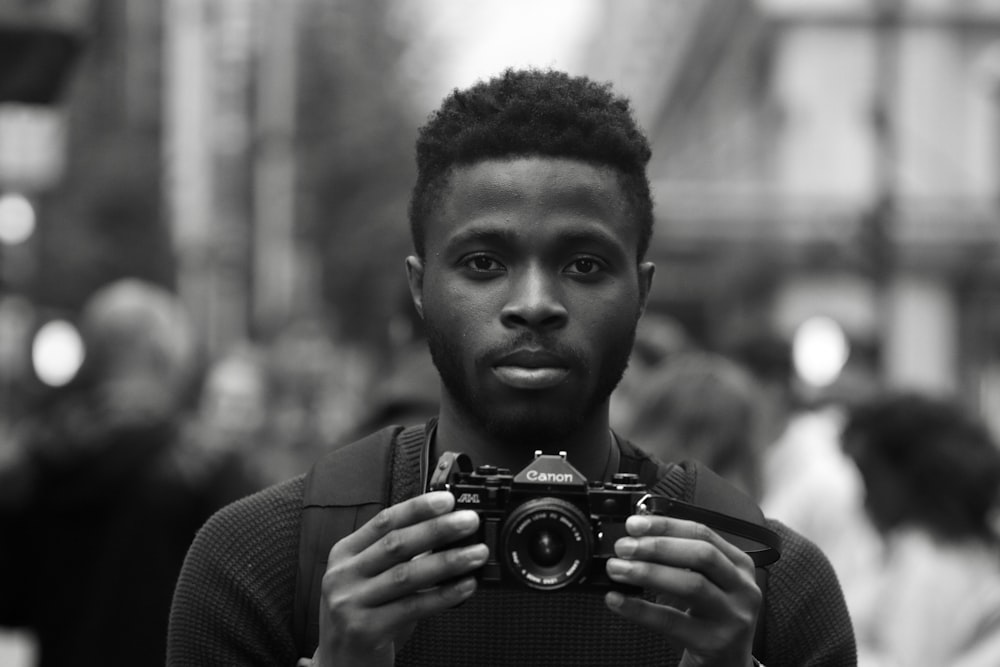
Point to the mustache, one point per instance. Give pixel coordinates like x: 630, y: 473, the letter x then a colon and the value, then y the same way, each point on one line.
x: 532, y: 341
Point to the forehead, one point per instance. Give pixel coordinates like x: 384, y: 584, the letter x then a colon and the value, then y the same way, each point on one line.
x: 540, y: 189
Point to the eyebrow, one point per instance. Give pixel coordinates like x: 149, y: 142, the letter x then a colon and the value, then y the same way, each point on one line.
x: 490, y: 234
x: 506, y: 237
x: 585, y: 235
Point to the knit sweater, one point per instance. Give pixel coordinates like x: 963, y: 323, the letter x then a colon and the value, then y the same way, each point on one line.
x: 233, y: 606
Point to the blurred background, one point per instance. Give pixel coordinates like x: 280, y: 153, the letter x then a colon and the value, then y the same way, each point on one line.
x: 825, y: 172
x: 812, y: 159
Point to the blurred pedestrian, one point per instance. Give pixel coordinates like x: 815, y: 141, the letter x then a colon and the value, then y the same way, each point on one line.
x: 404, y: 389
x: 658, y: 336
x: 703, y: 406
x: 317, y: 398
x: 228, y: 425
x: 932, y: 474
x: 232, y: 406
x: 806, y: 479
x: 407, y: 394
x: 90, y: 550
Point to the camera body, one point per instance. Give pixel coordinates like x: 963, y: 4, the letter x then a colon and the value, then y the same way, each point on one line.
x: 547, y: 527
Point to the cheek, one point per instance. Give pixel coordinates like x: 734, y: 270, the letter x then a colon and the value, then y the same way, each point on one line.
x: 612, y: 319
x: 455, y: 311
x: 460, y: 299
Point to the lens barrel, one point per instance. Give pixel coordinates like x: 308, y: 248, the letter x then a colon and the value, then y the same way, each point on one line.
x: 546, y: 543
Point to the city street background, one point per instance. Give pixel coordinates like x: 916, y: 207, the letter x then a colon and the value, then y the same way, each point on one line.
x: 825, y: 173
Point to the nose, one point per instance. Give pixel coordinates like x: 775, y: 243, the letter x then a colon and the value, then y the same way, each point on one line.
x: 534, y: 302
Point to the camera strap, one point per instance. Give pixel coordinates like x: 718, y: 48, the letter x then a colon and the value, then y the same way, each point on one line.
x: 762, y: 544
x: 691, y: 484
x: 711, y: 500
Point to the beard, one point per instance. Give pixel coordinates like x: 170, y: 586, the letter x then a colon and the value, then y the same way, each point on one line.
x: 530, y: 422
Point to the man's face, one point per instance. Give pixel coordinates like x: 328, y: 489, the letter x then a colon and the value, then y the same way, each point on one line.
x: 530, y: 291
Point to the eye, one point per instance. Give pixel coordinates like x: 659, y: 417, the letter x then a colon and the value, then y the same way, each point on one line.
x: 482, y: 263
x: 585, y: 266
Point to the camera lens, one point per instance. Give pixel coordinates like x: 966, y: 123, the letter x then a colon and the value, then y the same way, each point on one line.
x: 546, y: 548
x: 546, y: 543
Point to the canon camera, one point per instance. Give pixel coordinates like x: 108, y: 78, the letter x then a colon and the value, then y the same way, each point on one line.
x: 547, y: 527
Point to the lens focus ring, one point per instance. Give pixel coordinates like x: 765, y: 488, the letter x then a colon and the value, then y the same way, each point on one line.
x: 546, y: 543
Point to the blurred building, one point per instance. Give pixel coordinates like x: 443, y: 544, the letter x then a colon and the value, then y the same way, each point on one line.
x: 281, y: 143
x: 828, y: 157
x: 228, y: 100
x: 39, y: 41
x: 40, y: 45
x: 811, y: 157
x: 157, y: 140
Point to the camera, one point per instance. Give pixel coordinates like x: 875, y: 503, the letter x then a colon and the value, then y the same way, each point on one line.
x: 547, y: 527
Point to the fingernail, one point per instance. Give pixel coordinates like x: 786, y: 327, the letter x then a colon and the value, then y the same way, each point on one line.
x: 464, y: 588
x: 618, y: 567
x: 464, y: 519
x: 614, y: 599
x: 625, y: 547
x: 638, y: 525
x: 475, y: 554
x: 439, y: 500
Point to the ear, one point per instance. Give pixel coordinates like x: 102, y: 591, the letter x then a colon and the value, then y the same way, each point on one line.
x: 646, y: 270
x: 415, y: 277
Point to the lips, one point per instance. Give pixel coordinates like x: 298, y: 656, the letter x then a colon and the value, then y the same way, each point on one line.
x: 531, y: 369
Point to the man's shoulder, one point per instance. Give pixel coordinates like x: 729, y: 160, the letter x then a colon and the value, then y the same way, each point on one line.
x: 274, y: 510
x: 288, y: 492
x: 803, y: 568
x: 793, y: 542
x: 238, y: 581
x: 806, y: 615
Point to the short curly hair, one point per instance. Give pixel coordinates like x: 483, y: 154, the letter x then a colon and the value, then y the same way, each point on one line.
x: 943, y: 454
x: 532, y: 113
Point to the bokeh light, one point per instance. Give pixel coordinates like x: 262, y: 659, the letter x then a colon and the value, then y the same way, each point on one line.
x: 17, y: 218
x: 57, y: 353
x: 819, y: 350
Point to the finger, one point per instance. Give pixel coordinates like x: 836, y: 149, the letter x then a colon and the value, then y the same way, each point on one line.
x: 406, y: 513
x: 639, y: 526
x: 365, y: 629
x: 708, y: 638
x: 423, y: 573
x: 401, y: 545
x: 423, y: 604
x: 696, y: 555
x: 670, y: 621
x: 686, y: 589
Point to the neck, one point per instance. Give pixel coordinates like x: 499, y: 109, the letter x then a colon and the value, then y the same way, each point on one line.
x: 587, y: 447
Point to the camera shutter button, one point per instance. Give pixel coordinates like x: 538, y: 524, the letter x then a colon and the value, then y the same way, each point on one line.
x: 626, y: 481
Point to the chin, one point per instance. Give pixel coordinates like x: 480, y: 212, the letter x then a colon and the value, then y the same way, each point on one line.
x: 537, y: 427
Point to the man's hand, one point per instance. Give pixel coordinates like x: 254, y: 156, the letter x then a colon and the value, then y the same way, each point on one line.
x: 707, y: 598
x: 376, y: 588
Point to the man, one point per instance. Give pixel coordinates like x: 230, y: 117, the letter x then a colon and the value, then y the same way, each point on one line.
x: 530, y: 217
x: 931, y: 470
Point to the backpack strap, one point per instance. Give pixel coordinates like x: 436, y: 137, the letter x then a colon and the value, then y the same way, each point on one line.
x: 343, y: 490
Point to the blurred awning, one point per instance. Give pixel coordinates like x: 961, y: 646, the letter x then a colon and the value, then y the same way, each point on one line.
x: 39, y: 42
x: 35, y: 62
